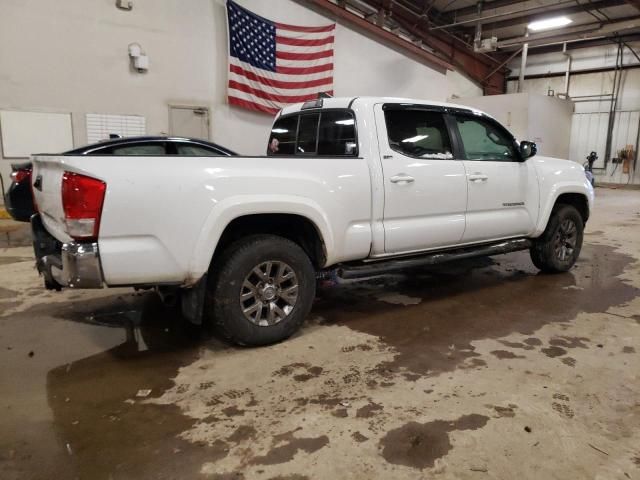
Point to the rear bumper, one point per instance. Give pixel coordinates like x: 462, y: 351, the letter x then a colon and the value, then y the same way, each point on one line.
x: 73, y: 264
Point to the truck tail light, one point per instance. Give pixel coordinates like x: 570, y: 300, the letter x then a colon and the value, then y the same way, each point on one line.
x: 82, y: 199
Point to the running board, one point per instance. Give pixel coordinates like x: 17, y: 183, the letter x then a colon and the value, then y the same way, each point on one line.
x: 393, y: 265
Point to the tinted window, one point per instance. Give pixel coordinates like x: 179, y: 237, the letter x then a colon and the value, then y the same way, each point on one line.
x: 139, y: 149
x: 195, y: 150
x: 307, y: 133
x: 418, y: 133
x: 283, y: 136
x: 484, y: 140
x: 337, y: 134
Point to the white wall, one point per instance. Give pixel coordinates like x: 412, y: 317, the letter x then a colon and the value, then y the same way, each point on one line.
x: 590, y: 119
x: 537, y: 118
x: 71, y: 56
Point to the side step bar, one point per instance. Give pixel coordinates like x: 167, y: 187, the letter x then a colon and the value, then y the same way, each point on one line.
x: 393, y: 265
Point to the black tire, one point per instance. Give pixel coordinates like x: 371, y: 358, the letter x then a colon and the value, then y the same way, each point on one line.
x: 235, y: 266
x: 564, y: 229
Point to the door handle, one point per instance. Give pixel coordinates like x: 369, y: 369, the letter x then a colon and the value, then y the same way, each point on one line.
x: 402, y: 178
x: 478, y: 177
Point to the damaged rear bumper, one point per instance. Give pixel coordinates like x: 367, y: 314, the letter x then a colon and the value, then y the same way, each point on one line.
x: 72, y: 264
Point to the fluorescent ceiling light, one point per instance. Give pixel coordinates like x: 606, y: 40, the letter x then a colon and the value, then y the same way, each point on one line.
x: 549, y: 23
x: 279, y: 130
x: 348, y: 121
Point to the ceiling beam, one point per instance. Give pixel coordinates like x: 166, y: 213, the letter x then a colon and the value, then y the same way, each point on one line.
x: 588, y: 43
x: 579, y: 33
x: 429, y: 58
x: 473, y: 9
x: 564, y: 8
x: 449, y: 51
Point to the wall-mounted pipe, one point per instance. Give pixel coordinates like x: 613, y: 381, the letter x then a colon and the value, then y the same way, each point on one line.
x: 617, y: 77
x: 568, y: 72
x: 523, y: 65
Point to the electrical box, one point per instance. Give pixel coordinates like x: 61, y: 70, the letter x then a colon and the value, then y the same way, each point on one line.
x: 486, y: 45
x: 141, y: 63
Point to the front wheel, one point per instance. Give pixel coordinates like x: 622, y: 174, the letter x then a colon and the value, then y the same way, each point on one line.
x: 559, y: 246
x: 261, y: 291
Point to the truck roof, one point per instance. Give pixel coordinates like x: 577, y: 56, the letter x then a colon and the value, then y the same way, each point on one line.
x: 346, y: 102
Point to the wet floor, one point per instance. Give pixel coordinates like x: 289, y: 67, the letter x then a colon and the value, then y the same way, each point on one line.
x: 479, y: 369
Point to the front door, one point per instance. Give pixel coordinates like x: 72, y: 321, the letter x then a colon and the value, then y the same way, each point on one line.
x: 502, y: 190
x: 425, y: 189
x: 190, y: 122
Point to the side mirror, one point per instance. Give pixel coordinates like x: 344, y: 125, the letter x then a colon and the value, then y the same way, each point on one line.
x: 527, y: 149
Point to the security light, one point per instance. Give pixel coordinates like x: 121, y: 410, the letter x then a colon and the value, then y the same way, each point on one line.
x: 549, y: 23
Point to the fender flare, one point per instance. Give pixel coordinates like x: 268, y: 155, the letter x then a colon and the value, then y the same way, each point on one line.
x: 557, y: 190
x: 229, y: 209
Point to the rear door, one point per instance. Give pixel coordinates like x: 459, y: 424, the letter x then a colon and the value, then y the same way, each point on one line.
x: 502, y: 189
x: 425, y: 189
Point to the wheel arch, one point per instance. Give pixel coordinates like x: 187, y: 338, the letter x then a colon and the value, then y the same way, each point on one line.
x: 567, y: 195
x: 297, y: 228
x: 295, y: 218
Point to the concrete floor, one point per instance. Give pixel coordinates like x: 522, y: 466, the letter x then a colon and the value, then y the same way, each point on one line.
x: 477, y: 370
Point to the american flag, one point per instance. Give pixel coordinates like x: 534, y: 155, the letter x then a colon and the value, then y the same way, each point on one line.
x: 273, y: 64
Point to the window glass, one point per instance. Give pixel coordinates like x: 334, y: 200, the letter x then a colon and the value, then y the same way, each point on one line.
x: 283, y: 136
x: 195, y: 150
x: 307, y: 133
x: 418, y: 133
x: 483, y: 140
x: 337, y: 134
x: 140, y: 149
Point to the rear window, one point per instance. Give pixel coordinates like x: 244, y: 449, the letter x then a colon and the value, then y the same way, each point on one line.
x: 337, y: 133
x: 283, y: 136
x: 307, y: 134
x: 329, y: 133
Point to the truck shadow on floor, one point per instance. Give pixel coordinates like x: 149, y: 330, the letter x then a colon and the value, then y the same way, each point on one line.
x: 437, y: 314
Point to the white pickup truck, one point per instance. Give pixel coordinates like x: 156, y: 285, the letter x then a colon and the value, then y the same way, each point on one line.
x: 358, y: 186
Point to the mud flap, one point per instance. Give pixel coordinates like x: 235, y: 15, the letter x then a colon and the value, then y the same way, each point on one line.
x: 192, y: 301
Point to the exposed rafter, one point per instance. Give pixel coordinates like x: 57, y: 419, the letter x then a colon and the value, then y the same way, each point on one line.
x: 449, y: 50
x: 472, y: 9
x: 564, y: 8
x: 433, y: 60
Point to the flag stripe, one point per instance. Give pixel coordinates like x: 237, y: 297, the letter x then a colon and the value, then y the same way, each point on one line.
x: 299, y: 42
x: 297, y: 74
x: 303, y: 56
x: 276, y: 98
x: 279, y: 83
x: 326, y: 67
x: 297, y: 28
x: 303, y: 35
x: 252, y: 105
x: 313, y: 90
x: 296, y: 49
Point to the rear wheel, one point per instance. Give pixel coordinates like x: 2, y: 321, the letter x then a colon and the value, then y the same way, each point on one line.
x: 262, y: 290
x: 559, y: 246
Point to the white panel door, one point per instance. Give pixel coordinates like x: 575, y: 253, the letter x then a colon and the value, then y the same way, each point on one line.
x: 425, y: 191
x: 191, y: 122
